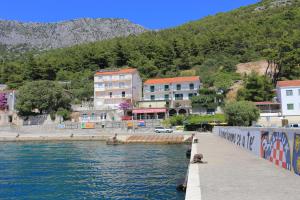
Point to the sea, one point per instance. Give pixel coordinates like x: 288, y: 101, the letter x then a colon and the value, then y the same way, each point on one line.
x: 91, y: 170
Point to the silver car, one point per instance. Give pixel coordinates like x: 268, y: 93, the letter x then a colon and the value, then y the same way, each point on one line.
x: 161, y: 129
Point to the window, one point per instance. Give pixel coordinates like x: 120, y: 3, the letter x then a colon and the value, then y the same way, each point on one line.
x: 121, y: 85
x: 167, y: 88
x: 178, y: 87
x: 191, y: 95
x: 166, y: 97
x: 152, y: 88
x: 122, y: 77
x: 93, y: 116
x: 178, y: 96
x: 192, y: 86
x: 290, y: 106
x: 289, y: 92
x: 100, y: 78
x: 110, y: 95
x: 298, y: 91
x: 99, y: 85
x: 152, y: 97
x: 108, y: 85
x: 123, y: 94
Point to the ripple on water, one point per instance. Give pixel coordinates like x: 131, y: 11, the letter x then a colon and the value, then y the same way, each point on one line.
x: 90, y: 170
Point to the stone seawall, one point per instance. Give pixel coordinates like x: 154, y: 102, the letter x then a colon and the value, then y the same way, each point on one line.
x: 89, y: 135
x: 278, y: 145
x: 193, y: 190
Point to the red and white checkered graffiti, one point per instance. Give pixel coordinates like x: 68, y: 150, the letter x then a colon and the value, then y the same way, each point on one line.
x: 276, y: 149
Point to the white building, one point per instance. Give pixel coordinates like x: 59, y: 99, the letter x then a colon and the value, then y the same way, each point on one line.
x: 288, y: 94
x: 177, y: 91
x: 111, y: 87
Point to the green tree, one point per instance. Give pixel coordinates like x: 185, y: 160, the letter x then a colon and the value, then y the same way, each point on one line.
x: 207, y: 98
x: 241, y: 113
x: 177, y: 120
x: 256, y: 88
x: 64, y: 113
x: 41, y: 97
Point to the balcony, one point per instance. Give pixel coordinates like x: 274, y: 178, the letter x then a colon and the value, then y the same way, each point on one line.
x: 126, y: 88
x: 116, y: 100
x: 181, y: 103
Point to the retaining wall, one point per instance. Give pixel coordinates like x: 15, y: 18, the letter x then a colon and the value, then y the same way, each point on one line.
x: 279, y: 146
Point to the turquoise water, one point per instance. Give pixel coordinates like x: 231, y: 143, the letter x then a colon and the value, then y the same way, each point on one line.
x: 90, y: 170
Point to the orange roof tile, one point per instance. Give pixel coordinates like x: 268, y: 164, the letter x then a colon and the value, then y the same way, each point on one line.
x: 288, y: 83
x: 172, y: 80
x: 118, y: 71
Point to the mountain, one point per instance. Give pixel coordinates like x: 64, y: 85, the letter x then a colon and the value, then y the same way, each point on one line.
x: 210, y: 47
x: 41, y: 36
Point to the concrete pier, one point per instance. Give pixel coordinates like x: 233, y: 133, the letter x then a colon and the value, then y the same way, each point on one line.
x: 92, y: 135
x: 193, y: 191
x: 232, y: 173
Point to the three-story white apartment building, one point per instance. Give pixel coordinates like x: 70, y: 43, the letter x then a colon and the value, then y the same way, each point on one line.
x: 288, y: 94
x: 111, y: 87
x: 177, y: 91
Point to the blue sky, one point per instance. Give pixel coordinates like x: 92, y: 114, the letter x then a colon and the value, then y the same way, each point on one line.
x: 153, y: 14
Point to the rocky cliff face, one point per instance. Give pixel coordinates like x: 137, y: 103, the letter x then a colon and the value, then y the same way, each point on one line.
x: 15, y: 34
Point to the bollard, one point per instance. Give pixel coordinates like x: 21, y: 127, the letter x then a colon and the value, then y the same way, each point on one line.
x: 188, y: 153
x: 198, y: 158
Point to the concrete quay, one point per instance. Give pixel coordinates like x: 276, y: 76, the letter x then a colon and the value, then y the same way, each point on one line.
x: 232, y: 173
x: 93, y: 135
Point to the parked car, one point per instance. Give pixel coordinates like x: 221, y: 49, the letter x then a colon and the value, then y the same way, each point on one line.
x: 293, y: 126
x: 160, y: 129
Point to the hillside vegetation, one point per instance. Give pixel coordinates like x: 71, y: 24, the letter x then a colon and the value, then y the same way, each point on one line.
x: 210, y: 47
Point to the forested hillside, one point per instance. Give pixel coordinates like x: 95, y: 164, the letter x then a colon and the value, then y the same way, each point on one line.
x: 210, y: 47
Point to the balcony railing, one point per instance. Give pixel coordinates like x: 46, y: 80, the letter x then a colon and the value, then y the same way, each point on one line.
x: 270, y: 111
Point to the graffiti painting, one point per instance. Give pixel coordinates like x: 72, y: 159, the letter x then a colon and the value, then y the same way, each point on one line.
x: 265, y: 147
x: 276, y: 149
x: 296, y: 154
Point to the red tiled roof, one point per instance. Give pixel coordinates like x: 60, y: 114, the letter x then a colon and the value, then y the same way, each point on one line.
x: 288, y: 83
x: 120, y: 71
x: 172, y: 80
x: 265, y: 103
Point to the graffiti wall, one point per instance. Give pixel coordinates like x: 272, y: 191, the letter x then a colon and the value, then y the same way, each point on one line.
x: 242, y: 137
x: 296, y: 154
x: 279, y: 146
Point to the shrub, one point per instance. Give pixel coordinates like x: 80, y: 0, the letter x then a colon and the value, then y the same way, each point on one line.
x: 241, y: 113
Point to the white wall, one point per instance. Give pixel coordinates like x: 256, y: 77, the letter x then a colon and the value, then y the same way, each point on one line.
x: 111, y: 83
x: 285, y: 100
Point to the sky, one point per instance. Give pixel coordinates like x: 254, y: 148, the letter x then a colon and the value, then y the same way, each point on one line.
x: 152, y: 14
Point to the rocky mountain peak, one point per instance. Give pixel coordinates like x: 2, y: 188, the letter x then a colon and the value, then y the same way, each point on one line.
x: 64, y: 33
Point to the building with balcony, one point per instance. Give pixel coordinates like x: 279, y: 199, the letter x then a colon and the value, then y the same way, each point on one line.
x: 285, y: 106
x: 176, y: 91
x: 288, y: 94
x: 111, y: 87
